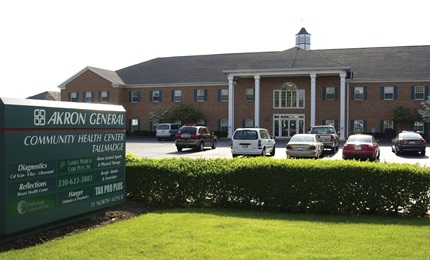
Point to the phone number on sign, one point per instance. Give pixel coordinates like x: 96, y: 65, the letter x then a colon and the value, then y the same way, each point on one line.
x: 75, y: 180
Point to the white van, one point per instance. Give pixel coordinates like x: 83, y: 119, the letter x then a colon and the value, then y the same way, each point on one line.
x: 252, y: 141
x: 167, y: 131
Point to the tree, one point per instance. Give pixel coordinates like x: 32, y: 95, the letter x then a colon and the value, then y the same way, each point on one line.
x: 159, y: 114
x: 406, y: 115
x: 425, y: 113
x: 184, y: 113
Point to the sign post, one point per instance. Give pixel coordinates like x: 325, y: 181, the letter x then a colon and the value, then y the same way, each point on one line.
x: 58, y: 160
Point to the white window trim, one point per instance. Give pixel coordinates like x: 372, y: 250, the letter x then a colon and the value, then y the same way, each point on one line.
x: 416, y: 92
x: 355, y: 93
x: 299, y: 93
x: 388, y: 92
x: 327, y: 93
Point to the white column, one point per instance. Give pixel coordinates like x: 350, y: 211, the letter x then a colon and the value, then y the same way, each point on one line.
x: 313, y: 98
x: 230, y: 106
x: 342, y: 105
x: 257, y: 101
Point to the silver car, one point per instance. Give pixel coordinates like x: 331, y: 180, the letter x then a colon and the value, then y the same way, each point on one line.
x: 252, y: 141
x: 167, y: 131
x: 305, y: 145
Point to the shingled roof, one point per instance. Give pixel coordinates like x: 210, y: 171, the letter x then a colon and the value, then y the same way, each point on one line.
x: 384, y: 64
x: 408, y: 63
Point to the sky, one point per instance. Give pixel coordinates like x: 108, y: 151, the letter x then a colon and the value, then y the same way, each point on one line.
x: 45, y: 42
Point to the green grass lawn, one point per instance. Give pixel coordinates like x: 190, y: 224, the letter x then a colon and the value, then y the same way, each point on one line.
x: 228, y: 234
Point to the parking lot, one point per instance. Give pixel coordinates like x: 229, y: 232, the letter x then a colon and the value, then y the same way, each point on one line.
x: 150, y: 147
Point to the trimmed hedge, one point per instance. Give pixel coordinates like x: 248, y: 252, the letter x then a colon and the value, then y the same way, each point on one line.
x: 299, y: 185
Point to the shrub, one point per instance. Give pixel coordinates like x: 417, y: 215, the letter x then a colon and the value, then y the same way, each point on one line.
x: 300, y: 185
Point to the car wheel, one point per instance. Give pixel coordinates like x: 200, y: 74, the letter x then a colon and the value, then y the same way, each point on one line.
x: 201, y: 146
x: 334, y: 149
x: 263, y: 153
x: 272, y: 153
x: 395, y: 150
x: 179, y: 148
x: 423, y: 152
x: 214, y: 144
x: 234, y: 155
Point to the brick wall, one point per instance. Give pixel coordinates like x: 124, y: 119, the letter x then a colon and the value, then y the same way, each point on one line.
x: 373, y: 109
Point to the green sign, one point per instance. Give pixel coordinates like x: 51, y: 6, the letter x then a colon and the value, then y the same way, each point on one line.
x: 58, y: 160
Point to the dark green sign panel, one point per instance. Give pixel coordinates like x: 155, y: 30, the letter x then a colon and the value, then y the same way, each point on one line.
x: 58, y: 160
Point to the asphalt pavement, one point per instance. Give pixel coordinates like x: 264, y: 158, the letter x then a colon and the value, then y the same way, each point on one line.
x: 150, y: 147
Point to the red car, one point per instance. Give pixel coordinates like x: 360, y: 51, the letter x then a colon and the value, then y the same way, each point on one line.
x: 361, y: 146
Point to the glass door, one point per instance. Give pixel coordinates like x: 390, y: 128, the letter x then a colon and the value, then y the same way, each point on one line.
x: 287, y: 125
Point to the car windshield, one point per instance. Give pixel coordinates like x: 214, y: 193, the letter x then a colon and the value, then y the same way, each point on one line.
x: 322, y: 130
x: 359, y: 139
x: 246, y: 135
x: 304, y: 139
x: 188, y: 130
x: 163, y: 127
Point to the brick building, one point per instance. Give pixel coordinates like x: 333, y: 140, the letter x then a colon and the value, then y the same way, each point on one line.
x: 284, y: 91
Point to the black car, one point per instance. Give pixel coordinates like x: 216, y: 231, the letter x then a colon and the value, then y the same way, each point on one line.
x: 408, y: 141
x: 196, y: 137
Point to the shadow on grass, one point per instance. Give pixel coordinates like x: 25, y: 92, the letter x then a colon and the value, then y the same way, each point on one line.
x: 315, y: 218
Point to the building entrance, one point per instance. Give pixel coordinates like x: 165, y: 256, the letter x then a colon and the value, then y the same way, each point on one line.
x: 287, y: 125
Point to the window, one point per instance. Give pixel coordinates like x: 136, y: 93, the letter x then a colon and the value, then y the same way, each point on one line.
x: 249, y: 93
x: 358, y: 93
x: 176, y: 95
x: 289, y: 97
x: 134, y: 125
x: 134, y: 96
x: 330, y: 93
x: 388, y: 124
x: 223, y: 95
x: 389, y: 93
x: 329, y: 122
x: 223, y: 125
x: 104, y: 96
x: 248, y: 123
x: 358, y: 126
x: 264, y: 134
x: 200, y: 95
x: 201, y: 122
x: 156, y: 96
x: 154, y: 126
x: 419, y: 92
x: 88, y: 97
x: 419, y: 127
x: 73, y: 97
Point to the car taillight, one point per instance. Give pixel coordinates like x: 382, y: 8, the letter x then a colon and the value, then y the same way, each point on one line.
x: 259, y: 144
x: 312, y: 147
x: 367, y: 147
x: 346, y: 147
x: 194, y: 136
x: 289, y: 147
x: 423, y: 141
x: 178, y: 136
x: 332, y: 138
x: 401, y: 142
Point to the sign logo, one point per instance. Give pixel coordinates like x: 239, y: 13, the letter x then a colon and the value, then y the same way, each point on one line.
x: 39, y: 117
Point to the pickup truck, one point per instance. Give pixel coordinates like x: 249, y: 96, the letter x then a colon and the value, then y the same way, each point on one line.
x: 328, y: 136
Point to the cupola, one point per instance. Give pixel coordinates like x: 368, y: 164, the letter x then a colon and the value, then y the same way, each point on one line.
x: 303, y: 40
